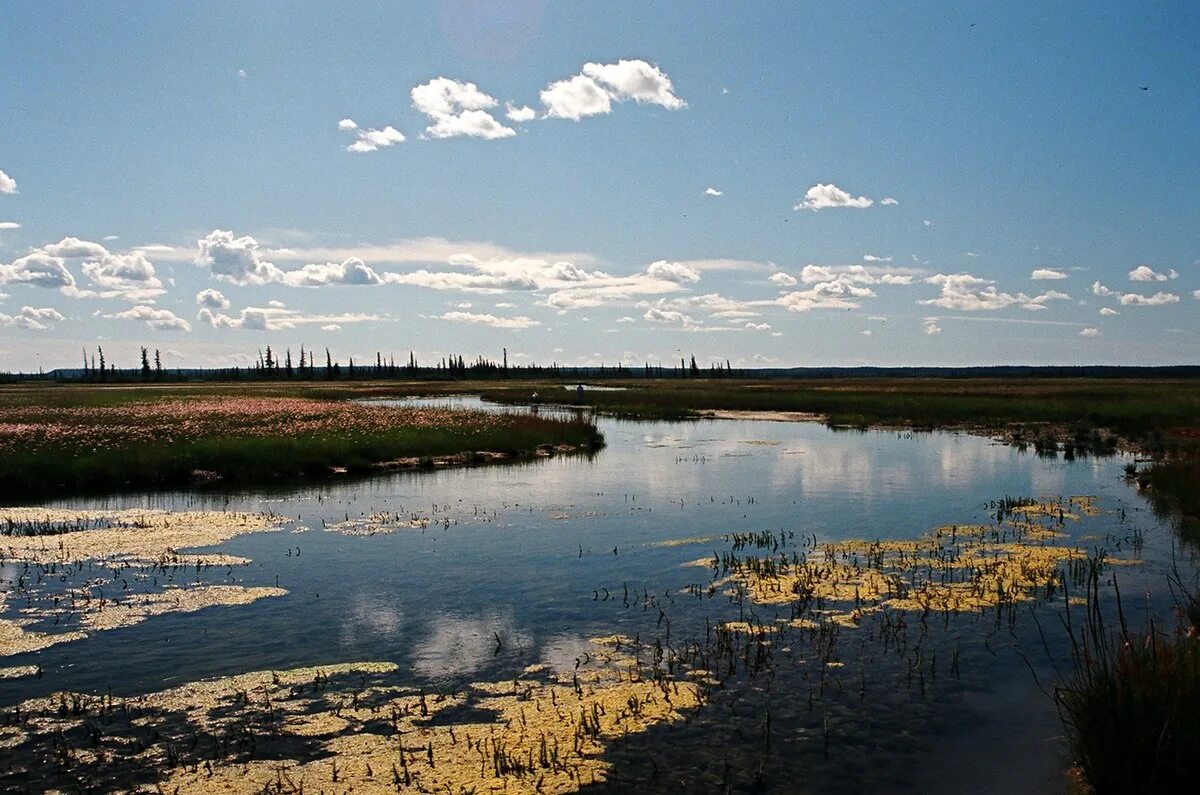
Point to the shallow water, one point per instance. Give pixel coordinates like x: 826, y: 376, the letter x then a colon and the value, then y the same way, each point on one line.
x: 520, y: 564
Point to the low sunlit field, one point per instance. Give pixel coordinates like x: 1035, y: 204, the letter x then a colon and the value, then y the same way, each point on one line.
x: 84, y: 438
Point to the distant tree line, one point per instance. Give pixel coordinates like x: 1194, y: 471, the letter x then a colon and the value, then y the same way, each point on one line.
x: 307, y: 365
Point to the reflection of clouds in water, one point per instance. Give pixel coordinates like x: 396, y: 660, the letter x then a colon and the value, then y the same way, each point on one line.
x: 458, y: 645
x: 1047, y: 479
x: 560, y: 652
x: 970, y: 457
x: 374, y: 617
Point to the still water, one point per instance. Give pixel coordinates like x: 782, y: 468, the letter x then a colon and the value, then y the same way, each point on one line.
x: 521, y: 564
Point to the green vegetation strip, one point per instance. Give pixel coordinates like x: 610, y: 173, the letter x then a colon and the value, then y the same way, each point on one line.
x: 82, y: 439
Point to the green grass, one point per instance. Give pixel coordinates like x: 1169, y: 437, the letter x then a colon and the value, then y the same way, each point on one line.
x: 61, y: 441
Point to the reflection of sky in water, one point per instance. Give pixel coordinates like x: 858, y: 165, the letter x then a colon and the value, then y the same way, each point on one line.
x: 550, y: 553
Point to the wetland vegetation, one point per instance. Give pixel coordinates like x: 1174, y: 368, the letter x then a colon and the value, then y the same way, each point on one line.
x: 795, y: 597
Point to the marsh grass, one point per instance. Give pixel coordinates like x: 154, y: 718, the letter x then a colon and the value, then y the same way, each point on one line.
x: 1131, y: 703
x: 98, y: 444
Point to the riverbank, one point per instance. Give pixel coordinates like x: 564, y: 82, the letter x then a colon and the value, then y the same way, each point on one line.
x: 75, y: 440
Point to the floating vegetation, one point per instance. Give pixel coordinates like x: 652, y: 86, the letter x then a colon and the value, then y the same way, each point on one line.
x: 18, y: 671
x: 89, y: 571
x: 953, y: 568
x: 55, y: 535
x: 343, y: 727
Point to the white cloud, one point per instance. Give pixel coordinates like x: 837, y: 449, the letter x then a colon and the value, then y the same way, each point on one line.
x: 1046, y: 274
x: 7, y: 183
x: 74, y: 248
x: 1090, y: 332
x: 331, y: 327
x: 1158, y: 299
x: 490, y: 320
x: 9, y: 225
x: 888, y: 201
x: 656, y: 315
x: 373, y: 140
x: 519, y: 114
x: 157, y: 319
x: 672, y: 272
x: 782, y: 279
x: 625, y: 319
x: 759, y: 326
x: 822, y: 196
x: 859, y: 274
x: 31, y: 318
x: 713, y: 192
x: 235, y: 260
x: 873, y: 258
x: 351, y: 271
x: 1106, y: 312
x: 865, y: 332
x: 130, y: 273
x: 594, y: 90
x: 212, y: 299
x: 931, y: 326
x: 1196, y: 294
x: 1144, y: 273
x: 967, y: 293
x: 1135, y: 299
x: 347, y: 124
x: 927, y: 222
x: 273, y: 318
x: 838, y: 293
x: 457, y: 109
x: 39, y: 269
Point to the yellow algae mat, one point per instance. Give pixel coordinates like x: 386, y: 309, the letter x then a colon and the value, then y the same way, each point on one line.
x: 340, y: 728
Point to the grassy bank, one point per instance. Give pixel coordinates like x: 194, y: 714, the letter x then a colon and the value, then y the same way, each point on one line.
x: 58, y: 442
x: 1157, y: 413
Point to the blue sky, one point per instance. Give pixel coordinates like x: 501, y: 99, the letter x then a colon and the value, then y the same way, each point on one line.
x: 891, y: 179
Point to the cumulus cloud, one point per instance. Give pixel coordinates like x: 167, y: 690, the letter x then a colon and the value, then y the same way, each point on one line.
x: 1144, y: 273
x: 888, y: 201
x: 39, y: 269
x: 490, y: 320
x: 1135, y: 299
x: 519, y: 114
x: 351, y: 271
x: 1090, y: 332
x: 873, y: 258
x: 713, y: 192
x: 782, y: 279
x: 211, y: 299
x: 837, y: 293
x: 1196, y: 294
x: 668, y: 316
x: 157, y: 319
x: 131, y: 275
x: 822, y: 197
x: 1107, y: 312
x: 859, y: 274
x: 31, y: 318
x: 672, y: 272
x: 373, y: 140
x: 235, y: 259
x: 758, y: 326
x: 457, y: 109
x: 273, y: 318
x: 347, y: 125
x: 931, y: 326
x: 967, y: 293
x: 594, y: 90
x: 1047, y: 274
x: 1158, y: 299
x: 5, y: 225
x: 7, y: 183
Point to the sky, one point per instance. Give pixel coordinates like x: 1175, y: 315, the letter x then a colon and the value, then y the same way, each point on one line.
x: 776, y: 184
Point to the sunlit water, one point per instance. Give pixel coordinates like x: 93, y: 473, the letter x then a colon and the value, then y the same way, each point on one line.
x: 521, y: 564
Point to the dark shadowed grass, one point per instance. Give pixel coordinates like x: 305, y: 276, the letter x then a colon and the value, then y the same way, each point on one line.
x: 1131, y: 704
